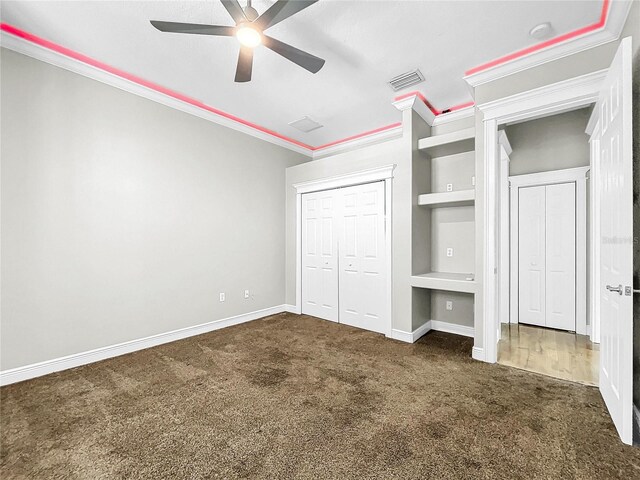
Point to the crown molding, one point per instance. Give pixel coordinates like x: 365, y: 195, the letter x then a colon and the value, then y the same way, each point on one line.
x: 465, y: 112
x: 362, y: 141
x: 58, y: 59
x: 611, y: 31
x: 418, y: 105
x: 558, y: 97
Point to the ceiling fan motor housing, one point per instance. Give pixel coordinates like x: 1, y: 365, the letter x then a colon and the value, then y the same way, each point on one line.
x: 251, y: 13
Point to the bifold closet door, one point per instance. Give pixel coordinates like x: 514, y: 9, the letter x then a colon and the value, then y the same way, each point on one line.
x: 362, y: 263
x: 319, y: 255
x: 547, y: 256
x: 561, y: 256
x: 531, y: 255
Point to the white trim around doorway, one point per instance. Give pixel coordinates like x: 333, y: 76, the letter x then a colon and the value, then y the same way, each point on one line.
x: 548, y: 100
x: 571, y: 175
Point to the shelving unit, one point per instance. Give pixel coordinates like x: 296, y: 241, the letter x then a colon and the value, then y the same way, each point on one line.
x: 443, y: 228
x: 460, y: 198
x: 454, y: 282
x: 448, y: 143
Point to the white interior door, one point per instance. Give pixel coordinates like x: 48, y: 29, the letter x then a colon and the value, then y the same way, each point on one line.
x: 616, y: 317
x: 362, y: 262
x: 319, y: 255
x: 560, y: 254
x: 531, y: 258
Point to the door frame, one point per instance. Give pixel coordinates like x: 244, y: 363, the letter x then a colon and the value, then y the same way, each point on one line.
x: 371, y: 175
x: 570, y: 175
x: 540, y: 102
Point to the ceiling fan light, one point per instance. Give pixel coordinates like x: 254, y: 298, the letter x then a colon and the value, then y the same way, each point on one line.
x: 248, y: 36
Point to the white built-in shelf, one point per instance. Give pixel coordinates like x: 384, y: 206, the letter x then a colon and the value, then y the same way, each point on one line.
x: 453, y: 282
x: 449, y: 143
x: 460, y: 198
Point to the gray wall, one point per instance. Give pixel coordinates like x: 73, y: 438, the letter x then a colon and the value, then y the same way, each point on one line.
x: 551, y: 143
x: 123, y: 218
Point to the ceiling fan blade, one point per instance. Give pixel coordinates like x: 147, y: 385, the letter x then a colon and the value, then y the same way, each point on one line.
x: 297, y: 56
x: 245, y: 64
x: 281, y: 10
x: 235, y: 10
x: 175, y: 27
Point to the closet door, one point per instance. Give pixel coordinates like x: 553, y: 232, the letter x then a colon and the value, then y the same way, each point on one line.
x: 319, y: 255
x: 560, y: 311
x: 531, y: 256
x: 362, y: 257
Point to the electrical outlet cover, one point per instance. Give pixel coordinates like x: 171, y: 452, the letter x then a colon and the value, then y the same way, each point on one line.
x: 449, y: 187
x: 222, y: 296
x: 449, y: 305
x: 449, y: 252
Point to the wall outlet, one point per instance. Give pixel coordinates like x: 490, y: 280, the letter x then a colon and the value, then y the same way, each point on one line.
x: 222, y: 296
x: 246, y: 294
x: 449, y: 187
x: 473, y: 181
x: 449, y: 252
x: 449, y: 305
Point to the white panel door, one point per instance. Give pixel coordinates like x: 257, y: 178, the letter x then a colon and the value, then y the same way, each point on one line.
x: 616, y: 241
x: 319, y: 255
x: 560, y: 254
x: 531, y: 261
x: 362, y: 257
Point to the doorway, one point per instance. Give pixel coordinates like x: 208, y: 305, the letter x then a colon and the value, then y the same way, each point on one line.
x: 546, y: 327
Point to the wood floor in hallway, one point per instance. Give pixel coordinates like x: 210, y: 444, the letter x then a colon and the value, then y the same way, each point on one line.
x: 550, y: 352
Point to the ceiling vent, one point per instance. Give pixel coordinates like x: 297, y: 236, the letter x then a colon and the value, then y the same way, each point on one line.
x: 306, y: 125
x: 406, y: 80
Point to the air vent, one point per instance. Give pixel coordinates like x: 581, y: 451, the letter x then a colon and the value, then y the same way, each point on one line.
x: 406, y: 80
x: 306, y: 124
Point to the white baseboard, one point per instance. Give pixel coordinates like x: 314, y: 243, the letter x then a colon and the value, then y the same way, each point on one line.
x: 452, y: 328
x: 477, y: 353
x: 291, y: 309
x: 20, y: 374
x: 411, y: 337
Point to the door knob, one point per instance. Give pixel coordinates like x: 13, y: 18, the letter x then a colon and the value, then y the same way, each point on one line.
x: 615, y: 289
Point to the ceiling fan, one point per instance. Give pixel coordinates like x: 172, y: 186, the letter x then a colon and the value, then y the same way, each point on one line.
x: 249, y: 31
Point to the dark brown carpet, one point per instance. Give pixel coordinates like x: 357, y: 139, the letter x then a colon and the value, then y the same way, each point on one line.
x: 297, y: 397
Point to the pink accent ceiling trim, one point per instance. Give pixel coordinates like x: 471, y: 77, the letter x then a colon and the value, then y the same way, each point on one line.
x: 434, y: 110
x: 141, y: 81
x: 359, y: 135
x: 548, y: 43
x: 5, y: 27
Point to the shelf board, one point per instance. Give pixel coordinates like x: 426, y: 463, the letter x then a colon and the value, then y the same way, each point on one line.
x: 449, y: 143
x: 453, y: 282
x: 460, y: 198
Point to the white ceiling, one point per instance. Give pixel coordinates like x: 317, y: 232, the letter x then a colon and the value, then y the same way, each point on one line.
x: 365, y: 43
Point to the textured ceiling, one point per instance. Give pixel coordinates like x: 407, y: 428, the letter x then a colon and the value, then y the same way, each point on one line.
x: 365, y: 43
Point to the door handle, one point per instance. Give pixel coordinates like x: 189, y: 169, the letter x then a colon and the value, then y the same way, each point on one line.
x: 615, y: 289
